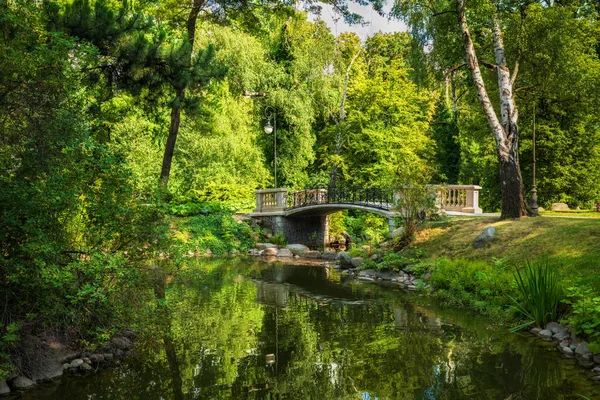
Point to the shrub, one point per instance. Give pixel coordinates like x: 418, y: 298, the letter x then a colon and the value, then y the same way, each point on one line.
x: 278, y: 239
x: 585, y: 316
x: 473, y: 283
x: 218, y: 232
x: 540, y: 293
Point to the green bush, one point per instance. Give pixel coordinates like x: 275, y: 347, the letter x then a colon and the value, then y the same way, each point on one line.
x: 540, y: 293
x: 585, y: 314
x: 474, y: 284
x: 218, y: 232
x: 278, y: 239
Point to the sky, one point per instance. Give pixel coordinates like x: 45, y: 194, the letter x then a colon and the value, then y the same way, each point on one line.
x: 376, y: 23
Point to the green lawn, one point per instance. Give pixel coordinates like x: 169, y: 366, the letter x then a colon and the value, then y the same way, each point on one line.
x: 573, y: 243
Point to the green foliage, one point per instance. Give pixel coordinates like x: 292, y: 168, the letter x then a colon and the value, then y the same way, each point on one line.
x: 278, y: 239
x: 474, y: 284
x: 217, y: 232
x: 540, y: 292
x: 584, y: 317
x: 365, y: 227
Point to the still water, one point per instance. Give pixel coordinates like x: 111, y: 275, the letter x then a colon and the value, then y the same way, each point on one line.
x: 231, y: 329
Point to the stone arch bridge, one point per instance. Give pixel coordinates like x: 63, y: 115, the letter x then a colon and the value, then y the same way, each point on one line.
x: 302, y: 215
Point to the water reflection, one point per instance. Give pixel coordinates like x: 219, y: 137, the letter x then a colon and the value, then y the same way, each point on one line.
x: 248, y: 331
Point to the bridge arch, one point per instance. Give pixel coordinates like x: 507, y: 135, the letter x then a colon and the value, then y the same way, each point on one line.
x: 301, y: 216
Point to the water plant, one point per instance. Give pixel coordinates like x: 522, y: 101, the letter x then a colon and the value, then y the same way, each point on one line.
x: 540, y: 293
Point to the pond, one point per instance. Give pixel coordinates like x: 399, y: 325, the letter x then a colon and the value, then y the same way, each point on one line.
x: 245, y: 329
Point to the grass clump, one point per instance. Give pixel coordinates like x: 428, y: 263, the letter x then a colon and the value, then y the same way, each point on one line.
x: 540, y: 293
x: 474, y: 284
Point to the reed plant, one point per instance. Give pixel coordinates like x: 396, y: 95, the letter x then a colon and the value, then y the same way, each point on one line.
x: 540, y: 293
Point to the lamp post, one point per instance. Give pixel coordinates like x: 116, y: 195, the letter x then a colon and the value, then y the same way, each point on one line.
x: 270, y: 112
x: 533, y: 201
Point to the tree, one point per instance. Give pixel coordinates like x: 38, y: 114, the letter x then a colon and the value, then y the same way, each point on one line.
x: 503, y: 126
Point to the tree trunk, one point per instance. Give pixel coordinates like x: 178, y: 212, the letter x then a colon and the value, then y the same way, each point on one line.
x: 180, y: 95
x: 173, y: 131
x: 506, y: 133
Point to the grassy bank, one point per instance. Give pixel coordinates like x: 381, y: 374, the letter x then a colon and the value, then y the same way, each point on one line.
x: 573, y: 245
x: 485, y: 279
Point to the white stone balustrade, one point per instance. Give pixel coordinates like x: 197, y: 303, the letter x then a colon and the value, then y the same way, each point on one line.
x: 462, y: 198
x: 271, y: 201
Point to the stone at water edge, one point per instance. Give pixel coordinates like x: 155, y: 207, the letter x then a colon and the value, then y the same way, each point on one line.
x: 344, y: 259
x: 297, y: 248
x: 545, y: 335
x: 567, y: 351
x: 535, y: 331
x: 329, y: 255
x: 312, y: 254
x: 485, y: 237
x: 76, y: 363
x: 20, y: 382
x: 271, y: 251
x: 284, y: 253
x: 264, y: 246
x: 582, y: 349
x: 66, y: 366
x: 85, y: 367
x: 553, y: 326
x: 356, y: 262
x: 4, y: 389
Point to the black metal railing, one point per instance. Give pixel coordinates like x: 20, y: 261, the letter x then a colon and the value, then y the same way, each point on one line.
x: 366, y: 196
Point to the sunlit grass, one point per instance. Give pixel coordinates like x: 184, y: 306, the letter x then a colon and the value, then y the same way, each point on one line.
x: 573, y: 243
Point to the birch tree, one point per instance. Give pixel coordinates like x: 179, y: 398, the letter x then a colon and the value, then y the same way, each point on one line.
x: 503, y: 121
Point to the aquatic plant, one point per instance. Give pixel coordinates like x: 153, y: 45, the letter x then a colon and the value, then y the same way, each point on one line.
x: 540, y: 293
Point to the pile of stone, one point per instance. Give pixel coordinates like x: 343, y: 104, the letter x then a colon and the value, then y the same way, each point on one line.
x: 570, y: 345
x: 291, y: 250
x: 351, y: 267
x: 69, y: 361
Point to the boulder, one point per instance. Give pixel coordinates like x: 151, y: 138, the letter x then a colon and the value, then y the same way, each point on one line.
x: 559, y: 207
x: 597, y: 358
x: 85, y: 367
x: 567, y: 351
x: 4, y: 389
x: 582, y: 349
x: 121, y: 342
x: 329, y: 255
x: 76, y: 363
x: 485, y: 237
x: 535, y: 331
x: 344, y: 259
x: 66, y: 366
x: 552, y: 326
x: 20, y: 382
x: 297, y: 249
x: 586, y: 361
x: 397, y: 232
x: 284, y: 253
x: 356, y: 262
x: 367, y: 275
x: 545, y: 335
x: 97, y: 358
x: 312, y: 254
x: 264, y: 246
x: 270, y: 251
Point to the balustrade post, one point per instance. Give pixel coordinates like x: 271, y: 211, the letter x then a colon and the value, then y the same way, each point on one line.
x: 472, y: 200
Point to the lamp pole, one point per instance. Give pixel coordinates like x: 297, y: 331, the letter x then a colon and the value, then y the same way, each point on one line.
x: 533, y: 201
x: 270, y: 112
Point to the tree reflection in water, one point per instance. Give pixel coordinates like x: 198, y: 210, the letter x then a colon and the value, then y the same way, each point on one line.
x: 216, y: 328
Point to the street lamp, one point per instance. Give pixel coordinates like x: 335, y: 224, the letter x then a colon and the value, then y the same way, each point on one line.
x: 533, y: 201
x: 270, y: 112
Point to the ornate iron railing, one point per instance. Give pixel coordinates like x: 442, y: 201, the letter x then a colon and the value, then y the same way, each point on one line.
x: 365, y: 196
